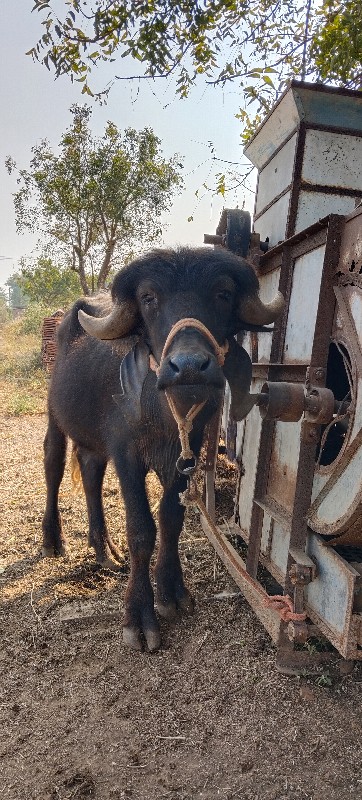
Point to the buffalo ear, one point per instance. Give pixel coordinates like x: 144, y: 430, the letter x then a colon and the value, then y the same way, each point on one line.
x: 238, y: 370
x: 118, y: 323
x: 134, y: 368
x: 253, y: 312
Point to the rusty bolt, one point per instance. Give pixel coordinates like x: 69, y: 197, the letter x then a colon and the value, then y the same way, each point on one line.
x: 311, y: 434
x: 295, y: 575
x: 297, y: 631
x: 319, y: 373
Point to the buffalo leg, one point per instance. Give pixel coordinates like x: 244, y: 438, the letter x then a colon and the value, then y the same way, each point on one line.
x: 92, y: 470
x: 171, y: 593
x: 55, y: 446
x: 140, y: 617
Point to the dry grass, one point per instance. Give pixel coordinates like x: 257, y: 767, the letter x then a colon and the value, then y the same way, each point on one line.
x: 23, y: 382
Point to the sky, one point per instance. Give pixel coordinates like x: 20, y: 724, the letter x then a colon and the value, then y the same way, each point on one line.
x: 35, y: 106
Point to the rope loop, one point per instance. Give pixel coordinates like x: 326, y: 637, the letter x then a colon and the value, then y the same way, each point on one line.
x: 189, y: 322
x: 184, y: 424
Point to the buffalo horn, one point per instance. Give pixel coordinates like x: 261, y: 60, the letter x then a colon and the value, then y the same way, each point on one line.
x: 118, y: 323
x: 254, y: 312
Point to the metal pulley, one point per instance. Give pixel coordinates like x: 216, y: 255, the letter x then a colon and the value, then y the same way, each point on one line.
x: 288, y: 402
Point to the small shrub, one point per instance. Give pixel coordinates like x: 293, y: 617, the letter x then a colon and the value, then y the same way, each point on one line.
x: 32, y: 321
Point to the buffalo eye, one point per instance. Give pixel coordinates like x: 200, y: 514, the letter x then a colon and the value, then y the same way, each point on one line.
x: 224, y: 296
x: 149, y: 300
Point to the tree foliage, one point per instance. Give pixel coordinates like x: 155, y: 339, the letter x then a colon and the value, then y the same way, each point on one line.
x: 4, y: 311
x: 98, y: 199
x: 17, y: 297
x: 337, y: 46
x: 46, y: 282
x: 261, y: 44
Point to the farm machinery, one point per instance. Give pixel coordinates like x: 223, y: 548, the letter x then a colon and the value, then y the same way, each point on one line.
x: 297, y: 522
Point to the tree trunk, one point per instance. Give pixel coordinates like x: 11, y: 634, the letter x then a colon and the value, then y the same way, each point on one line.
x: 78, y: 256
x: 82, y: 276
x: 106, y: 265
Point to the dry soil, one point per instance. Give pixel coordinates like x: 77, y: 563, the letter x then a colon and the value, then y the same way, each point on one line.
x: 206, y: 718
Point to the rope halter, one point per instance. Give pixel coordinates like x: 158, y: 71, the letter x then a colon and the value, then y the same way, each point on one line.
x: 184, y: 424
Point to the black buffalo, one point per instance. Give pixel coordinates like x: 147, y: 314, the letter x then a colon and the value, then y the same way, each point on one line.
x: 105, y: 397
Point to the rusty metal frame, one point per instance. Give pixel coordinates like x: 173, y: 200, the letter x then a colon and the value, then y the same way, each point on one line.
x: 328, y: 231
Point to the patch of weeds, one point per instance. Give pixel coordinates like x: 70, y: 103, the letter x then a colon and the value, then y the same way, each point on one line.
x: 324, y: 680
x: 23, y: 382
x: 315, y: 644
x: 22, y: 403
x: 23, y: 367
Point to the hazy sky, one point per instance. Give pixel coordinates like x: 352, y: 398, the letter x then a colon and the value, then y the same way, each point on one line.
x: 35, y: 106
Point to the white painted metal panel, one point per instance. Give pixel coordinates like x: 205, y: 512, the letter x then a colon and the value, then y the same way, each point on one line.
x: 276, y: 176
x: 264, y: 347
x: 330, y: 595
x: 313, y: 206
x: 332, y: 159
x: 266, y: 533
x: 303, y: 306
x: 273, y: 222
x: 280, y: 547
x: 278, y: 126
x: 283, y: 463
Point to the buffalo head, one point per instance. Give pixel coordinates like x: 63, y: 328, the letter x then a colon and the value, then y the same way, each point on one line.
x: 156, y: 291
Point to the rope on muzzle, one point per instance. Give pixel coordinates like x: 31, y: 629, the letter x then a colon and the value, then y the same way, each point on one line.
x: 184, y: 424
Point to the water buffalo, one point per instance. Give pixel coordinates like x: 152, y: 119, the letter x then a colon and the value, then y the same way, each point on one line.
x: 107, y: 399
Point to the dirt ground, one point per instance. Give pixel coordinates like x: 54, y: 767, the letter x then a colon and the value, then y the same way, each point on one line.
x: 206, y: 718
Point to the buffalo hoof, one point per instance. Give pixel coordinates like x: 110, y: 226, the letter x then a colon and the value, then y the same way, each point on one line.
x: 132, y: 638
x: 169, y: 610
x: 153, y: 639
x: 53, y: 552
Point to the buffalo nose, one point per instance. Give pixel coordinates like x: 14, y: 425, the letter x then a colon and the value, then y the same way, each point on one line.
x: 182, y: 363
x: 183, y: 368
